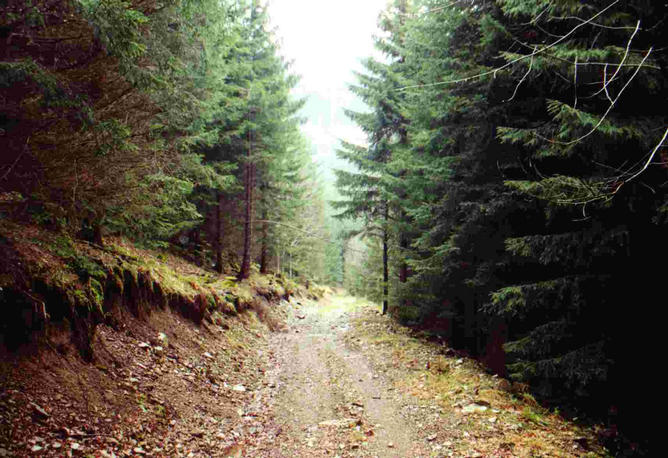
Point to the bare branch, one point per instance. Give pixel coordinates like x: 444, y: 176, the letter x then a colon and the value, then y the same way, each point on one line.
x: 575, y: 83
x: 607, y: 112
x: 626, y: 55
x: 618, y: 182
x: 433, y: 10
x: 514, y: 61
x: 595, y: 24
x: 522, y: 80
x: 650, y: 159
x: 605, y: 83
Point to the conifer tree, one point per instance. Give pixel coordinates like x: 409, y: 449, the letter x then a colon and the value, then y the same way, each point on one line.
x: 374, y: 192
x: 533, y: 182
x: 584, y: 152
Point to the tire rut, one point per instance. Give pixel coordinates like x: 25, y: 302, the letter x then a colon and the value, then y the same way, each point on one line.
x: 329, y: 400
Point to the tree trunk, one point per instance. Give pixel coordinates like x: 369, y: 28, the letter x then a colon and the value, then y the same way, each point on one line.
x: 343, y: 263
x: 248, y: 188
x: 403, y: 268
x: 244, y: 272
x: 386, y: 276
x: 219, y: 234
x: 264, y: 249
x: 196, y: 243
x: 97, y: 233
x: 264, y: 255
x: 248, y: 227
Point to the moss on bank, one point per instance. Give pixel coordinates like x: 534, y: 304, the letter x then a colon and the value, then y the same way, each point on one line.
x: 47, y: 277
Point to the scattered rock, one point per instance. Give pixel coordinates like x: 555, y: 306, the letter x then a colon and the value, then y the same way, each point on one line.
x: 342, y: 423
x: 474, y: 408
x: 581, y: 441
x: 162, y: 338
x: 203, y: 430
x: 234, y: 451
x: 38, y: 412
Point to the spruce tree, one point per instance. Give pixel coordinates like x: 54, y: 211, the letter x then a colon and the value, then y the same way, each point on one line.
x: 535, y: 184
x: 375, y: 191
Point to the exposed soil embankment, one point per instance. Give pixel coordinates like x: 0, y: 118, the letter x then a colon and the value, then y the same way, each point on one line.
x: 119, y: 350
x: 52, y: 283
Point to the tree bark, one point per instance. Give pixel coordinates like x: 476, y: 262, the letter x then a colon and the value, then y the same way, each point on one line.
x: 219, y: 234
x: 195, y: 236
x: 403, y: 268
x: 264, y: 255
x: 386, y: 275
x: 343, y: 263
x: 244, y: 272
x: 248, y: 227
x: 97, y: 233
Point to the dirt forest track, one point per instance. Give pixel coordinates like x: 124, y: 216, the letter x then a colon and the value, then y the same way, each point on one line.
x: 333, y: 378
x: 329, y: 400
x: 344, y: 381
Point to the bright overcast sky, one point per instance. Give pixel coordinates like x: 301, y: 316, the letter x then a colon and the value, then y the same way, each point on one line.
x: 326, y: 39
